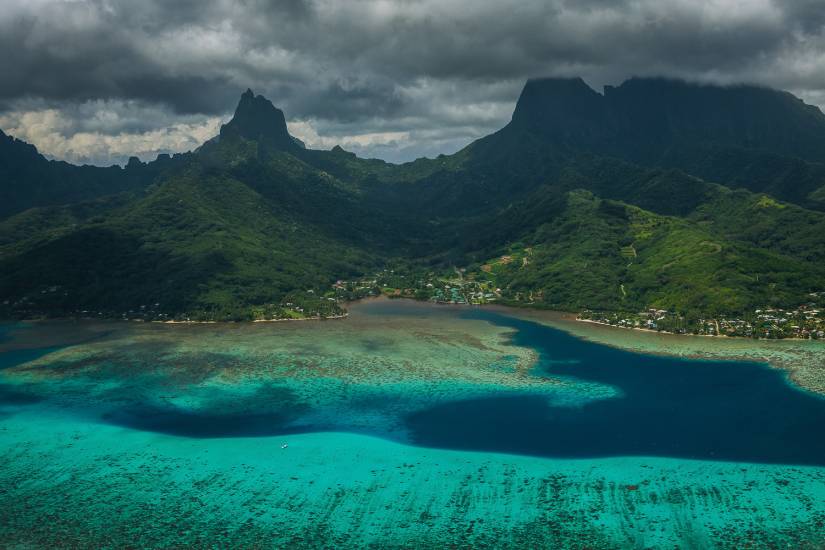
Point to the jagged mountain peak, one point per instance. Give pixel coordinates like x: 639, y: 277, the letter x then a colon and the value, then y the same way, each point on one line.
x: 568, y: 107
x: 256, y: 118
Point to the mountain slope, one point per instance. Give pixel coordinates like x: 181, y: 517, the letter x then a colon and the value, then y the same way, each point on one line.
x: 761, y: 139
x: 206, y: 245
x: 604, y: 204
x: 604, y: 254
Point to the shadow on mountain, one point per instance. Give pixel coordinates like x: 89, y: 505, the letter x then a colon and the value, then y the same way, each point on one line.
x: 97, y: 267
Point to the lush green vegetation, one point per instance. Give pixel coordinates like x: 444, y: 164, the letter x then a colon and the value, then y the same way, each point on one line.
x: 198, y: 246
x: 605, y: 254
x: 558, y: 210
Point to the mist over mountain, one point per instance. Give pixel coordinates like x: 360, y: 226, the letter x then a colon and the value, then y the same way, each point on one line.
x: 655, y: 193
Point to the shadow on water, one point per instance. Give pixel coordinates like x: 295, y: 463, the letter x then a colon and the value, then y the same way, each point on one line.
x: 732, y: 411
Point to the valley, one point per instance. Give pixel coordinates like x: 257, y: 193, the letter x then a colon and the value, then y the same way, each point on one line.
x: 252, y: 225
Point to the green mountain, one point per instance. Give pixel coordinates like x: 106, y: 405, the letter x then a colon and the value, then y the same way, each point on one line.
x: 757, y: 138
x: 602, y: 254
x: 654, y: 194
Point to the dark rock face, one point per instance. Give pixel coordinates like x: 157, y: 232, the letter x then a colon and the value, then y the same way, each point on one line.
x: 133, y: 163
x: 257, y: 119
x: 764, y: 140
x: 565, y: 109
x: 644, y: 118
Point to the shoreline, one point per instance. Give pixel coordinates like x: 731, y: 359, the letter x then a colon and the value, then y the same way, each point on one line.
x: 330, y: 318
x: 574, y: 316
x: 167, y: 322
x: 317, y: 318
x: 566, y: 315
x: 722, y: 336
x: 802, y: 359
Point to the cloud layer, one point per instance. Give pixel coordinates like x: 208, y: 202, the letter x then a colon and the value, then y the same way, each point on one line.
x: 96, y: 80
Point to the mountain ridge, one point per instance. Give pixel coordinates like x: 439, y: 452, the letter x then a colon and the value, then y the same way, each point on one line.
x: 252, y: 221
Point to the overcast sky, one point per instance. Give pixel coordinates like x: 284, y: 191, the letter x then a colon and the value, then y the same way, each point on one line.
x: 98, y: 80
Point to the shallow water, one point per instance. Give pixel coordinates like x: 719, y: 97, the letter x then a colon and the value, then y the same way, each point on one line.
x: 395, y: 421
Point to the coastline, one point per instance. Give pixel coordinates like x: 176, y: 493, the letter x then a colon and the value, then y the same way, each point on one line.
x: 803, y: 360
x: 167, y: 322
x: 723, y: 336
x: 317, y: 318
x: 633, y: 328
x: 571, y: 316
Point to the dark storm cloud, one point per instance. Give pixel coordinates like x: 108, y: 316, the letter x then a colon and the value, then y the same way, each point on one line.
x: 427, y: 74
x: 79, y: 51
x: 348, y: 101
x: 808, y: 15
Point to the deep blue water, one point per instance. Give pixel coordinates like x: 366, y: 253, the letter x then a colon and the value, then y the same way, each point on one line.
x: 733, y: 411
x: 729, y: 410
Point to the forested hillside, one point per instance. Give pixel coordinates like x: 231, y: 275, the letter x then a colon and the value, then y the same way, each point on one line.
x: 653, y: 194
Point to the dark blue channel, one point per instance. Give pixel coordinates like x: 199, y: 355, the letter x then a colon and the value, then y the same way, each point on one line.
x: 732, y: 411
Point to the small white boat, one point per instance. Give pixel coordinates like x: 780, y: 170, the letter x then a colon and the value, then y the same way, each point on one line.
x: 284, y: 446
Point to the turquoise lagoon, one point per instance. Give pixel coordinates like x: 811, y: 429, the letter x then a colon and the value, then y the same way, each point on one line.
x: 406, y: 425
